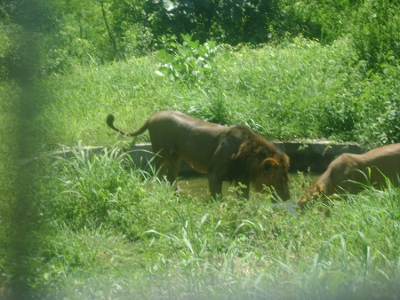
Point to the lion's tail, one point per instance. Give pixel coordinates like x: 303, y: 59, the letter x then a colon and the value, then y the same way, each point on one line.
x: 110, y: 123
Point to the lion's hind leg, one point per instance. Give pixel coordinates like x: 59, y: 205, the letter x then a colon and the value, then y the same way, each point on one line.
x: 167, y: 166
x: 173, y: 163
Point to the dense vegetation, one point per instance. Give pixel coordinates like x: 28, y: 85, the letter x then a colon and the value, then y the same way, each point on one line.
x: 96, y: 226
x: 101, y: 31
x: 105, y: 229
x: 337, y: 61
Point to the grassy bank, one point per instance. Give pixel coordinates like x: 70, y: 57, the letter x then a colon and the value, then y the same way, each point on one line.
x: 108, y: 231
x: 297, y: 91
x: 101, y: 228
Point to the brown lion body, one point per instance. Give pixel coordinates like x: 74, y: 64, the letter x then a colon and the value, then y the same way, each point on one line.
x: 233, y: 153
x: 351, y: 172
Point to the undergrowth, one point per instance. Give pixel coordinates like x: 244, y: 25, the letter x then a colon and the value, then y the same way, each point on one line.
x: 96, y: 226
x: 334, y: 96
x: 109, y: 230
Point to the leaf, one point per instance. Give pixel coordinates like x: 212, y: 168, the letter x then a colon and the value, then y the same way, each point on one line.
x: 169, y: 5
x: 227, y: 56
x: 194, y: 44
x: 211, y: 44
x: 162, y: 53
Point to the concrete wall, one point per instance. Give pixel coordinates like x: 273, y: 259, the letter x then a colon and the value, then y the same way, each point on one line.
x: 313, y: 156
x: 303, y: 157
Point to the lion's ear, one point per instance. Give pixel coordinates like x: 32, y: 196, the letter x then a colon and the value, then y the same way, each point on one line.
x: 270, y: 163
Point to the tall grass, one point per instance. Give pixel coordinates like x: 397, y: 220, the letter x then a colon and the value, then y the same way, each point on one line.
x: 9, y: 94
x: 334, y: 97
x: 108, y: 230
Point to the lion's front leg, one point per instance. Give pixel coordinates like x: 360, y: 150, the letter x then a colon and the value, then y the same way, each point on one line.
x: 215, y: 185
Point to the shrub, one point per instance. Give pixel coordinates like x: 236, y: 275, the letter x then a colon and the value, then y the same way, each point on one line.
x: 322, y: 20
x: 189, y: 61
x: 380, y: 102
x: 376, y: 33
x: 339, y: 117
x: 215, y: 111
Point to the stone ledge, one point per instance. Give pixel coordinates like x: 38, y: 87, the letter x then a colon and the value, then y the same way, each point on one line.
x: 303, y: 156
x: 314, y: 156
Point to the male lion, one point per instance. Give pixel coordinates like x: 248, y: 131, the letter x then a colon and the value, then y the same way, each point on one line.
x: 233, y: 153
x: 351, y: 172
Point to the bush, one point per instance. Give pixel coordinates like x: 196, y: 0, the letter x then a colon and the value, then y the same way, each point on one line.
x: 339, y: 117
x: 376, y: 33
x: 8, y: 49
x: 189, y: 61
x: 380, y: 103
x: 325, y: 21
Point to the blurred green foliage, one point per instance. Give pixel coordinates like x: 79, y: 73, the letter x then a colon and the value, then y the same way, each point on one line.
x: 99, y: 31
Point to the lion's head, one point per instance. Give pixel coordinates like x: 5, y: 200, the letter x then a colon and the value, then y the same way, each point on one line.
x: 314, y: 191
x: 274, y: 173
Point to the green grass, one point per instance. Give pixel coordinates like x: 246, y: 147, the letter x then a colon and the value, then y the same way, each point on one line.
x: 101, y: 228
x: 333, y: 96
x: 106, y: 229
